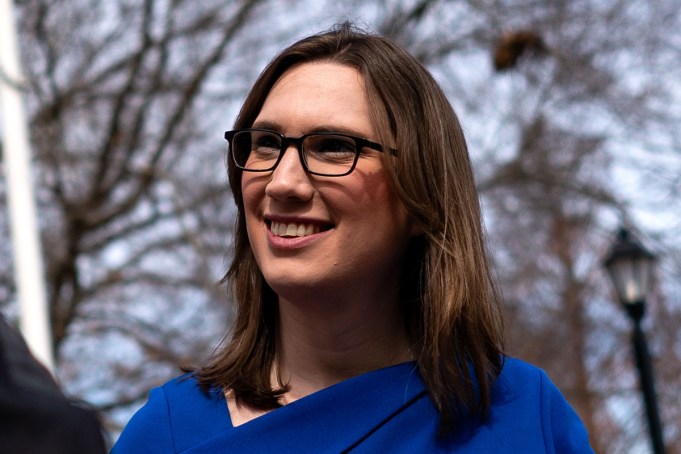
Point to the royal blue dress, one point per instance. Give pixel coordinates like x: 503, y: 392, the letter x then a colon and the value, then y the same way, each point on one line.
x: 385, y: 411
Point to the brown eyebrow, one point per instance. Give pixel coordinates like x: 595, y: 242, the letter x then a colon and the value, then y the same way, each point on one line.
x: 267, y: 125
x: 273, y: 126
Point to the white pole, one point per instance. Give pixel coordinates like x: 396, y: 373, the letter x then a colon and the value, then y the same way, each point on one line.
x: 28, y: 266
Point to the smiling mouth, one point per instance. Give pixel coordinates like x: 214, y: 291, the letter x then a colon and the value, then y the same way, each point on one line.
x: 295, y: 229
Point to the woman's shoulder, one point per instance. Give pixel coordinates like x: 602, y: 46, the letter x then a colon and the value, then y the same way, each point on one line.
x: 177, y: 414
x: 515, y: 369
x: 525, y: 397
x: 182, y: 396
x: 523, y: 384
x: 186, y: 387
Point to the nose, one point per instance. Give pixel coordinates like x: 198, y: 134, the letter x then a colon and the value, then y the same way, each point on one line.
x: 289, y: 180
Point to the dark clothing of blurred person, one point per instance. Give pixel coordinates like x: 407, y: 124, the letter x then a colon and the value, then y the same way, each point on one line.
x: 35, y: 416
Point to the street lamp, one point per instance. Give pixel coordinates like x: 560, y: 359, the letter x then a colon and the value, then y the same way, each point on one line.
x: 630, y: 267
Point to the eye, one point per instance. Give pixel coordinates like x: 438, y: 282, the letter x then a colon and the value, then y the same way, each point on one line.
x: 330, y: 148
x: 265, y: 144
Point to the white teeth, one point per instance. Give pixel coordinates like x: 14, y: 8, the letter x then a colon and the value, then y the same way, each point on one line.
x: 293, y: 229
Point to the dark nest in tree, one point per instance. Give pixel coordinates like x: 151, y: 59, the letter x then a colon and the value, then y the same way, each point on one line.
x: 515, y: 44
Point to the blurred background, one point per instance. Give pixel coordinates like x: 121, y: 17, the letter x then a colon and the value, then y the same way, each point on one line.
x: 571, y: 108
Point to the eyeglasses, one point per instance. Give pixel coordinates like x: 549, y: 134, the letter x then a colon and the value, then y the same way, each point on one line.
x: 329, y: 154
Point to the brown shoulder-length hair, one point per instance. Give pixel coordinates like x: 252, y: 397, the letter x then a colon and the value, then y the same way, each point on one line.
x: 449, y: 300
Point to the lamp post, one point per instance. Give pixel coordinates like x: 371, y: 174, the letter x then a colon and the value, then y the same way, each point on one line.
x: 630, y: 268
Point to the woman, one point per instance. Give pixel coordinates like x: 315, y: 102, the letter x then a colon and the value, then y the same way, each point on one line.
x: 367, y: 318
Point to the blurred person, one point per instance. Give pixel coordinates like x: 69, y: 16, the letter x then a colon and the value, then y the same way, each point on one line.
x: 35, y: 416
x: 367, y: 316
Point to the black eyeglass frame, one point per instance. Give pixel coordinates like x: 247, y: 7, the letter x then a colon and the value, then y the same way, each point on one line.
x: 360, y: 142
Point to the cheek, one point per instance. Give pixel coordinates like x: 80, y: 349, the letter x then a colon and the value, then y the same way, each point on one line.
x: 252, y: 192
x: 376, y: 204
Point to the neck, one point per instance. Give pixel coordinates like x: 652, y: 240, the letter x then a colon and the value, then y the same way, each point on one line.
x: 321, y: 345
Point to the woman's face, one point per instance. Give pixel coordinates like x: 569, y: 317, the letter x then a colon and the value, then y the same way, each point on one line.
x: 315, y: 235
